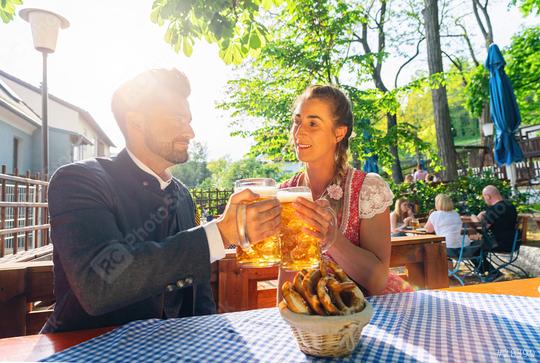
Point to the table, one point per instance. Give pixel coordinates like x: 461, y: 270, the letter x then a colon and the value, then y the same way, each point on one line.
x: 425, y: 259
x: 423, y: 256
x: 524, y: 287
x: 421, y: 326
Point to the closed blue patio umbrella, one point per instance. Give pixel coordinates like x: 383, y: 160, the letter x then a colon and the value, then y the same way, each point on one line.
x: 504, y: 113
x: 371, y: 163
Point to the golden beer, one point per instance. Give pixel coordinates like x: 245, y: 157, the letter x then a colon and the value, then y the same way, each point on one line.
x: 266, y: 252
x: 298, y: 249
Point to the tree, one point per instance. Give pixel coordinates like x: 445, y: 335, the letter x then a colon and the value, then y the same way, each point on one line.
x: 523, y: 68
x: 445, y: 141
x: 233, y: 25
x: 195, y: 170
x: 309, y: 41
x: 7, y: 9
x: 528, y: 7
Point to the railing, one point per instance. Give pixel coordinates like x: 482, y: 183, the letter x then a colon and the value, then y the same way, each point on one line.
x: 211, y: 202
x: 23, y: 212
x: 24, y: 221
x: 526, y: 171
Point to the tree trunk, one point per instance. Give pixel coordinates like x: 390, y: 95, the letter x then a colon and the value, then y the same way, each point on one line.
x: 397, y: 174
x: 445, y: 141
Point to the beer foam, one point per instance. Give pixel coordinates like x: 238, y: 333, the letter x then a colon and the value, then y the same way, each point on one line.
x: 289, y: 197
x: 262, y: 190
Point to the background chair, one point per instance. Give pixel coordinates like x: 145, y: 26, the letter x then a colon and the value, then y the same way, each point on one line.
x: 471, y: 256
x: 506, y: 260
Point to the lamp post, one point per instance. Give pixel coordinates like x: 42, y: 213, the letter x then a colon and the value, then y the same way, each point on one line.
x: 45, y: 25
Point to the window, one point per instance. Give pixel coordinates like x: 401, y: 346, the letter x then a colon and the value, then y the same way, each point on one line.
x: 78, y: 152
x: 16, y: 143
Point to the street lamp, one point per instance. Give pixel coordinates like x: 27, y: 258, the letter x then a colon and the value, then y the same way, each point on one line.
x: 45, y: 25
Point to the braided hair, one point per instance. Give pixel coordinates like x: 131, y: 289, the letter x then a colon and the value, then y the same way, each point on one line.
x: 342, y: 111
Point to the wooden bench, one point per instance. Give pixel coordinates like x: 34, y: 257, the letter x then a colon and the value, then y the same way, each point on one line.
x: 22, y: 285
x: 40, y: 253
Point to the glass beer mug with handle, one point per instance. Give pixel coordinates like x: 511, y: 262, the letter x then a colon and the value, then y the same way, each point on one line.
x: 261, y: 253
x: 299, y: 250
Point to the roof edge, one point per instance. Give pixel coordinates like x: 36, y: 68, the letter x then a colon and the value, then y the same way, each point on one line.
x: 85, y: 114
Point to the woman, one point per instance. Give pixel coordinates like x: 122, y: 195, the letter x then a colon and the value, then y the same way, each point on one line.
x: 445, y: 221
x: 322, y: 125
x: 401, y: 216
x: 420, y: 173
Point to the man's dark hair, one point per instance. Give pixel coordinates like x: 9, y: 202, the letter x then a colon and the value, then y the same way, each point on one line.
x: 146, y: 89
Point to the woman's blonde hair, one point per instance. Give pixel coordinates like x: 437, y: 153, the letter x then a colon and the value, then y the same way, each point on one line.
x: 444, y: 202
x: 397, y: 207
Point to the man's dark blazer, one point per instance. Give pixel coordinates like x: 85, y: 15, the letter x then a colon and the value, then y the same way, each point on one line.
x: 124, y: 249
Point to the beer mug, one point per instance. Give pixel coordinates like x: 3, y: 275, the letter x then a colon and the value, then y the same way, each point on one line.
x: 298, y: 249
x: 262, y: 253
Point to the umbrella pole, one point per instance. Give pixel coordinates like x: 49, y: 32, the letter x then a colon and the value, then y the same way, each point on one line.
x: 511, y: 172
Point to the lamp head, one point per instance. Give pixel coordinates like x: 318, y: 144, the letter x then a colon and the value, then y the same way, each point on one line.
x: 45, y: 25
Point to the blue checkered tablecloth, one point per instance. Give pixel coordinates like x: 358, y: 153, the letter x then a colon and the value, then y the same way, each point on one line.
x: 424, y: 326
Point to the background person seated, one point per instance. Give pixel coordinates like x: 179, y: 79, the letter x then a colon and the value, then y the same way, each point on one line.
x: 429, y: 178
x: 420, y: 173
x: 499, y: 219
x: 409, y: 178
x: 499, y: 223
x: 402, y: 216
x: 445, y: 221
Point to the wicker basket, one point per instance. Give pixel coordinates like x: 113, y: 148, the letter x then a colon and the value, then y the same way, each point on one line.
x: 327, y: 336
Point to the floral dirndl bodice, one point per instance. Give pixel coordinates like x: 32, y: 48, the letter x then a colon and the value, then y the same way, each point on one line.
x: 364, y: 196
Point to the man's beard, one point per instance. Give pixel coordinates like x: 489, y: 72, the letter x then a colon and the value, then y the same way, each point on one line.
x: 166, y: 149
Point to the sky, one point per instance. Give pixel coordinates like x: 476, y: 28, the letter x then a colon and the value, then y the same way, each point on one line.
x: 109, y: 42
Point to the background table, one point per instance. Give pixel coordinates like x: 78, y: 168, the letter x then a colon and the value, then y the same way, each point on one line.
x: 423, y: 256
x: 420, y: 326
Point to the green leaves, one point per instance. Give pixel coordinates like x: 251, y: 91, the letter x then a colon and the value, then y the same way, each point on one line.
x: 466, y: 192
x: 477, y: 90
x: 233, y: 25
x: 528, y: 7
x: 523, y: 69
x: 7, y: 9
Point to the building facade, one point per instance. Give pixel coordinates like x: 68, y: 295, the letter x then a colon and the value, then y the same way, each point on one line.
x: 73, y: 132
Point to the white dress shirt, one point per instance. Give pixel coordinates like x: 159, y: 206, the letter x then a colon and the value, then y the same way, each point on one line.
x: 215, y: 242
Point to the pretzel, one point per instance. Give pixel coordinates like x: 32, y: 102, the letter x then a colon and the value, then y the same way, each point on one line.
x: 354, y: 296
x: 295, y: 302
x: 297, y: 281
x: 309, y: 291
x: 338, y: 271
x: 315, y: 291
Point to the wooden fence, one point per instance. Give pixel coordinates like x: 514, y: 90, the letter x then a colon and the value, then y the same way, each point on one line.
x: 24, y: 221
x: 23, y: 212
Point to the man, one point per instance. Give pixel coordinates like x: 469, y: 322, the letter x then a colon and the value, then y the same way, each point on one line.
x: 499, y: 225
x: 126, y: 246
x: 499, y: 218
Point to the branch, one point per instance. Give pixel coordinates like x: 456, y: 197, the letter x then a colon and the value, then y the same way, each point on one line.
x: 488, y: 34
x: 458, y: 65
x: 469, y: 44
x: 409, y: 60
x: 451, y: 35
x: 476, y: 4
x: 488, y: 23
